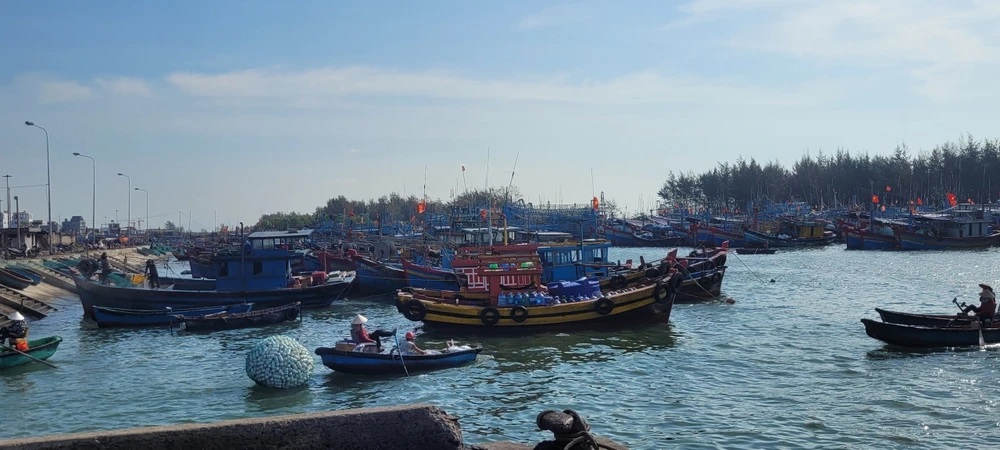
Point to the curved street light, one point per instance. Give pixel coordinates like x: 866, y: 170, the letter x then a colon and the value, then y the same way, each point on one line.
x: 48, y: 177
x: 147, y: 211
x: 93, y: 203
x: 128, y: 225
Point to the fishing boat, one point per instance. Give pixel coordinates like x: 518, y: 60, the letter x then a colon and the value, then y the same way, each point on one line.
x: 202, y: 266
x: 39, y: 349
x: 927, y: 320
x: 755, y: 251
x: 930, y: 336
x: 508, y: 274
x: 346, y: 357
x: 259, y: 275
x: 429, y: 277
x: 14, y: 280
x: 328, y: 262
x: 961, y: 227
x: 791, y: 234
x: 863, y: 239
x: 378, y: 277
x: 226, y: 320
x: 35, y: 278
x: 623, y: 234
x: 713, y: 236
x: 115, y: 317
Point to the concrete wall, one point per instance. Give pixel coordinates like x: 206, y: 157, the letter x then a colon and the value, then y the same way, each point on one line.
x: 396, y: 428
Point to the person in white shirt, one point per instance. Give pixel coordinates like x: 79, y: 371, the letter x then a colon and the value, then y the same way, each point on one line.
x: 409, y: 347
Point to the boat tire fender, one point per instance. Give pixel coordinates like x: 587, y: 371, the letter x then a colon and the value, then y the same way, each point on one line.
x: 716, y: 278
x: 414, y: 310
x: 663, y: 268
x: 651, y: 273
x: 683, y: 270
x: 720, y: 261
x: 619, y: 282
x: 407, y: 289
x: 661, y: 293
x: 291, y: 313
x: 87, y: 267
x: 676, y: 280
x: 604, y: 306
x: 519, y: 314
x: 490, y: 316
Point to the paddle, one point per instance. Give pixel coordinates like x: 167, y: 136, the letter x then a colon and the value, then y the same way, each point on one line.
x: 29, y: 356
x: 400, y: 351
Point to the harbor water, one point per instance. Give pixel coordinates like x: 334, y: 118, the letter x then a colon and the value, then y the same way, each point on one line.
x: 787, y: 366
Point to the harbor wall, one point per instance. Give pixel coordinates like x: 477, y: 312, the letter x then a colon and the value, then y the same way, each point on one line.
x: 396, y: 427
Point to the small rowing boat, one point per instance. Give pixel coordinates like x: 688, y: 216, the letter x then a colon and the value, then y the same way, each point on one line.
x: 14, y: 280
x: 120, y: 317
x: 928, y: 337
x: 346, y: 357
x: 230, y: 321
x: 927, y: 320
x: 39, y: 349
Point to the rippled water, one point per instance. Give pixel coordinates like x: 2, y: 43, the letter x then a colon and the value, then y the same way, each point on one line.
x: 788, y: 365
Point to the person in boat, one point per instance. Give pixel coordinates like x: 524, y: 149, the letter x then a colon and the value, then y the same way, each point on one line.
x: 16, y: 333
x: 410, y: 347
x: 152, y: 275
x: 360, y: 334
x: 987, y: 304
x: 105, y: 268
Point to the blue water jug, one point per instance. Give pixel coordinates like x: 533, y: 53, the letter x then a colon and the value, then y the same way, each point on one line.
x: 518, y: 299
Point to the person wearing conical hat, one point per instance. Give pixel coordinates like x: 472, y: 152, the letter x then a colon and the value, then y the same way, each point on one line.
x: 16, y: 333
x: 360, y: 334
x: 987, y: 304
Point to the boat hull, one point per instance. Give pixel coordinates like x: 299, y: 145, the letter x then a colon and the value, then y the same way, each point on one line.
x: 866, y: 240
x: 377, y: 364
x: 234, y: 320
x: 928, y: 337
x: 927, y: 320
x: 376, y: 278
x: 112, y: 317
x: 40, y: 349
x: 201, y: 269
x: 95, y: 294
x: 909, y: 240
x: 425, y: 277
x: 14, y: 280
x: 760, y: 239
x: 35, y: 278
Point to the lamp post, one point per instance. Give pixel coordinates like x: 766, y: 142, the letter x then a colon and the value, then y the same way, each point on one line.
x: 17, y: 212
x: 8, y: 196
x: 93, y: 202
x: 48, y: 177
x: 128, y: 231
x: 147, y: 210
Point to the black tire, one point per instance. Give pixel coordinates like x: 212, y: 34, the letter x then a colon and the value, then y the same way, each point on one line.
x: 414, y: 310
x: 399, y: 304
x: 291, y: 314
x: 716, y: 279
x: 619, y: 282
x: 604, y: 306
x: 519, y: 314
x: 683, y: 270
x: 676, y: 280
x: 490, y: 316
x: 87, y: 268
x: 720, y: 261
x: 661, y: 293
x: 663, y: 268
x: 705, y: 281
x: 651, y: 273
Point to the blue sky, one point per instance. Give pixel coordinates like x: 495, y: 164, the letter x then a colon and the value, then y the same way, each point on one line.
x: 242, y: 107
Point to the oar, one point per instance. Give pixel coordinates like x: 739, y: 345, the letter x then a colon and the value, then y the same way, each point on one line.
x: 29, y: 356
x: 400, y: 351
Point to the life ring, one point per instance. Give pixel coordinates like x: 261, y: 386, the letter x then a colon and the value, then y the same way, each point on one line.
x: 661, y: 293
x: 519, y: 314
x: 619, y: 282
x: 604, y: 306
x: 414, y: 310
x: 291, y: 313
x: 716, y: 279
x: 651, y: 273
x: 87, y: 267
x: 490, y: 316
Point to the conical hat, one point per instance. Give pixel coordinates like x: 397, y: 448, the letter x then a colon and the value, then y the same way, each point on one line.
x: 358, y: 320
x: 15, y: 316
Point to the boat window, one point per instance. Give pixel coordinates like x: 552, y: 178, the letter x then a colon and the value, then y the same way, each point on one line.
x: 258, y: 244
x: 575, y: 256
x: 224, y: 270
x: 268, y: 244
x: 258, y: 267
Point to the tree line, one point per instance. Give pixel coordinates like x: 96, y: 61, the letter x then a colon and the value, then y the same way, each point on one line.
x: 966, y: 168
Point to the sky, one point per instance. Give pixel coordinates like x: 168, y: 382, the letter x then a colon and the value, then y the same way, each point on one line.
x: 227, y: 109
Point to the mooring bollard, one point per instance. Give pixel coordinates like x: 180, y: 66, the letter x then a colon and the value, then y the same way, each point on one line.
x: 571, y: 432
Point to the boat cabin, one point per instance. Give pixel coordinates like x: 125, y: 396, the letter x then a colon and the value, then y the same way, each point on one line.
x: 803, y: 230
x: 574, y: 260
x: 480, y: 236
x: 264, y: 264
x: 499, y: 268
x: 960, y: 223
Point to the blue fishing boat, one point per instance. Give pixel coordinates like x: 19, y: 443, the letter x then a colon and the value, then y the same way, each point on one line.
x: 791, y: 234
x: 14, y: 280
x: 202, y: 267
x: 259, y: 274
x: 35, y: 278
x: 377, y: 277
x: 429, y: 277
x: 574, y: 260
x: 347, y: 358
x: 861, y: 239
x: 116, y: 317
x: 961, y: 227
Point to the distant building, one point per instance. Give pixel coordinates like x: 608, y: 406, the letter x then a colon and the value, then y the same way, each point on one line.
x: 22, y: 219
x: 75, y: 225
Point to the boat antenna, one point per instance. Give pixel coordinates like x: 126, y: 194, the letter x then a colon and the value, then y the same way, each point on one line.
x: 489, y: 200
x: 509, y: 185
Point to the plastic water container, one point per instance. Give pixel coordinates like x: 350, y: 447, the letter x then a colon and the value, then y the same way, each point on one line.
x: 518, y: 299
x: 501, y: 299
x: 527, y: 264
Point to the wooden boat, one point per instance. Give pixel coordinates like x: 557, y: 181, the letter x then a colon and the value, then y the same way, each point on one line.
x: 375, y: 277
x: 41, y: 349
x: 115, y: 317
x: 862, y: 239
x: 755, y: 251
x: 228, y: 321
x: 715, y: 236
x: 14, y: 280
x: 918, y: 240
x: 927, y: 320
x: 428, y: 277
x: 650, y: 300
x: 344, y: 359
x: 35, y: 278
x: 924, y: 336
x: 802, y: 238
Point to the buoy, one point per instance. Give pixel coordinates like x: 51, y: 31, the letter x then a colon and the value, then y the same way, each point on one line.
x: 730, y: 301
x: 772, y: 280
x: 279, y: 362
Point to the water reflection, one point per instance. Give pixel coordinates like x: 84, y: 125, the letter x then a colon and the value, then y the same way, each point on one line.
x: 260, y: 398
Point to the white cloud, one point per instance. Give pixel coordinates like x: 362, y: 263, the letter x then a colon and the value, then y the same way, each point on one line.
x: 354, y: 150
x: 638, y: 88
x: 555, y: 16
x: 46, y: 90
x: 124, y: 86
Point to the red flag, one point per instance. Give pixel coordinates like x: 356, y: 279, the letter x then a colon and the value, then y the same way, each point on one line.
x: 874, y: 199
x: 421, y: 207
x: 482, y: 214
x: 920, y: 202
x: 888, y: 189
x: 351, y: 214
x: 594, y: 203
x: 952, y: 200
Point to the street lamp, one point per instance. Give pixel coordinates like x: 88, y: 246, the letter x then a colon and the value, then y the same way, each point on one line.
x: 17, y: 212
x: 48, y: 177
x: 93, y: 203
x: 147, y: 210
x: 128, y: 231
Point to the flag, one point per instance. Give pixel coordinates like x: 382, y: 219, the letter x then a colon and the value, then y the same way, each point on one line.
x: 874, y: 199
x: 952, y: 200
x: 421, y: 207
x: 888, y: 189
x: 482, y: 214
x: 463, y: 167
x: 725, y: 244
x: 672, y: 255
x: 920, y: 202
x: 594, y: 203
